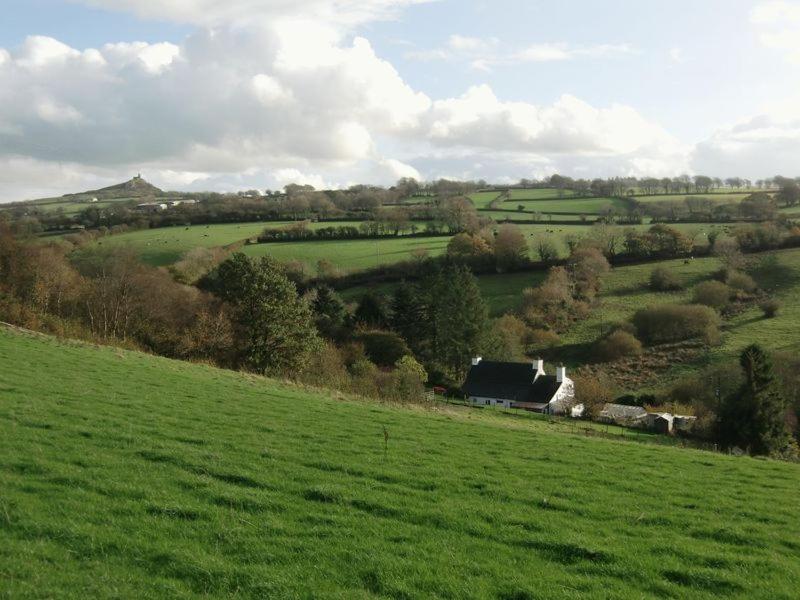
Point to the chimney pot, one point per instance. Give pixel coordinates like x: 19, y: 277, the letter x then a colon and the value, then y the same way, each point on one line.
x: 476, y: 360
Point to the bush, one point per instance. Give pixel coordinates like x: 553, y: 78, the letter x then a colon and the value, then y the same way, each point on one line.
x: 618, y: 344
x: 384, y: 348
x: 741, y: 281
x: 542, y: 339
x: 664, y: 280
x: 675, y: 323
x: 770, y: 308
x: 712, y: 293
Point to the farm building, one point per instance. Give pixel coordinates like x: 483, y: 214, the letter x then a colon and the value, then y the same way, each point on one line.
x: 519, y: 385
x: 621, y: 414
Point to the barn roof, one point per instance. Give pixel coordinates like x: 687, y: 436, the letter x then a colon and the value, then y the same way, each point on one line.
x: 509, y: 381
x: 622, y: 411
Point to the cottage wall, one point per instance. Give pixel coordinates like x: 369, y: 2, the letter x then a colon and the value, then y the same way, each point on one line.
x: 490, y: 401
x: 564, y: 398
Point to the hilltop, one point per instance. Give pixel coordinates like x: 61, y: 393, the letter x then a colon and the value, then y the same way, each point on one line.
x: 133, y: 188
x: 125, y: 474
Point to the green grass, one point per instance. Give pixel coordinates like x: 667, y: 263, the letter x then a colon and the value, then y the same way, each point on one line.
x: 165, y: 245
x: 483, y: 199
x: 721, y: 198
x: 351, y: 255
x: 540, y: 194
x: 124, y: 475
x: 578, y: 206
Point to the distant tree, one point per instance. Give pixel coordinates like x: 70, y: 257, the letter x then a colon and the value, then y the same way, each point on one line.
x: 703, y: 183
x: 546, y: 249
x: 329, y: 311
x: 276, y: 327
x: 409, y: 316
x: 384, y: 348
x: 510, y: 246
x: 507, y: 339
x: 789, y: 193
x: 372, y: 311
x: 754, y: 417
x: 457, y: 317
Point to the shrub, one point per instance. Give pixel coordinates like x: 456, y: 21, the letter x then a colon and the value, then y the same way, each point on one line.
x: 741, y: 281
x: 770, y: 308
x: 712, y: 293
x: 384, y: 348
x: 618, y: 344
x: 542, y: 339
x: 664, y: 280
x: 675, y: 323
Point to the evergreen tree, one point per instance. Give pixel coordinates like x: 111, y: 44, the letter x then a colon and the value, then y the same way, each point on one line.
x: 457, y: 316
x: 754, y: 417
x: 409, y: 317
x: 329, y: 310
x: 372, y: 311
x: 275, y: 326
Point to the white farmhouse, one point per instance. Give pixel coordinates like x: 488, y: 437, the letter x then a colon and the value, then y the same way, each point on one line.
x: 519, y: 385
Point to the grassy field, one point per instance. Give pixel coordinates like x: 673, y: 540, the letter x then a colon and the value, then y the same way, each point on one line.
x: 722, y: 198
x: 483, y: 199
x: 125, y: 475
x: 587, y: 206
x: 164, y: 245
x: 351, y: 255
x: 540, y: 194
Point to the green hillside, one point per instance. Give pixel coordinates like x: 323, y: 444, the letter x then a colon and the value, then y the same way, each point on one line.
x: 125, y: 475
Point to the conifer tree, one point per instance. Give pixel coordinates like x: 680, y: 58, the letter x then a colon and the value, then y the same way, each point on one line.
x: 754, y: 417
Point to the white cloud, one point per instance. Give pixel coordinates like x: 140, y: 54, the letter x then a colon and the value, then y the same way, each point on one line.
x: 484, y: 54
x: 154, y: 58
x: 396, y: 169
x: 479, y: 119
x: 760, y: 147
x: 777, y: 26
x: 462, y: 42
x: 293, y: 99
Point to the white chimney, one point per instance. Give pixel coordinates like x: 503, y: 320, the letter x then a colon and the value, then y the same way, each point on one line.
x: 476, y: 360
x: 538, y: 365
x: 561, y: 373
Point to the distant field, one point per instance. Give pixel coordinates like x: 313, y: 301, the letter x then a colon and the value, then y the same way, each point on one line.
x: 717, y: 198
x: 483, y: 199
x: 129, y: 476
x: 165, y: 245
x: 540, y: 194
x: 624, y: 292
x: 351, y: 255
x: 588, y: 206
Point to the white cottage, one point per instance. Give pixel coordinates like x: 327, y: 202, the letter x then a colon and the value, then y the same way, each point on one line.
x: 519, y: 385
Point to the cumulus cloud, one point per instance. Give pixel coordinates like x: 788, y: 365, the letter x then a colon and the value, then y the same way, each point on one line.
x: 479, y: 118
x: 765, y: 144
x: 282, y: 100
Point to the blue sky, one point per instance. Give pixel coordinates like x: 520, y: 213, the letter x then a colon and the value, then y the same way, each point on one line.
x: 225, y: 94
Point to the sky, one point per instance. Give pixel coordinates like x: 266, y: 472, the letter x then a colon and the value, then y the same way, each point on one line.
x: 237, y: 94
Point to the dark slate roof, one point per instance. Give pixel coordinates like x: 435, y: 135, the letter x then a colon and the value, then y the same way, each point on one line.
x: 509, y: 381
